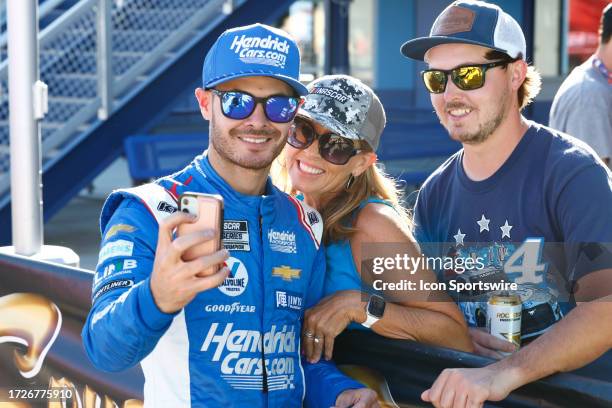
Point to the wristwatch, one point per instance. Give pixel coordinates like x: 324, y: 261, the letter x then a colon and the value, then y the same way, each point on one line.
x: 374, y: 310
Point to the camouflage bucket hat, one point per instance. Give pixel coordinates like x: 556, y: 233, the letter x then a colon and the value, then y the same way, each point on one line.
x: 346, y: 106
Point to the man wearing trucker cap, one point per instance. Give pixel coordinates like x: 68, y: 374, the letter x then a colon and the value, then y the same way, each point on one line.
x: 533, y: 204
x: 229, y: 338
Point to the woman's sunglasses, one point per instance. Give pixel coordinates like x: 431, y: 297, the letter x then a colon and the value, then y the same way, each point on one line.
x: 467, y: 77
x: 332, y: 147
x: 240, y: 105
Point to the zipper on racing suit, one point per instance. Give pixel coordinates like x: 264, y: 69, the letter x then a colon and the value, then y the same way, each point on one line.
x: 263, y: 331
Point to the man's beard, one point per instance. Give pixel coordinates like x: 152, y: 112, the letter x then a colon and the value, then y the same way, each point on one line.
x: 225, y: 147
x: 485, y: 129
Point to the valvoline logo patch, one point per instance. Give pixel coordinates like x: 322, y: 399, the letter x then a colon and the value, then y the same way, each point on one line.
x: 236, y: 282
x: 270, y: 50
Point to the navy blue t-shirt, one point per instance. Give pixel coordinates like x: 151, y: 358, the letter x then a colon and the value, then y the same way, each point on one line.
x: 543, y: 220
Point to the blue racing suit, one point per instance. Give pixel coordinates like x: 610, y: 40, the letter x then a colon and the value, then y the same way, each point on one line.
x: 210, y: 353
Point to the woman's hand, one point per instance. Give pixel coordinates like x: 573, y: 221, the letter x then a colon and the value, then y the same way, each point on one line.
x: 323, y: 322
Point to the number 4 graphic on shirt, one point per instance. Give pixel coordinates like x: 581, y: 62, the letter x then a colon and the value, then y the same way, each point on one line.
x: 525, y: 261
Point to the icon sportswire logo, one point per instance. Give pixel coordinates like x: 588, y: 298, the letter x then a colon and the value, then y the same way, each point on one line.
x: 261, y: 50
x: 239, y: 352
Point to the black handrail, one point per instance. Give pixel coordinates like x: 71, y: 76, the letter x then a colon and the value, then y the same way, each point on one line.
x: 410, y: 368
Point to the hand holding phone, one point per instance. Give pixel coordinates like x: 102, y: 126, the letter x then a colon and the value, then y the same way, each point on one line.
x: 208, y: 210
x: 175, y: 281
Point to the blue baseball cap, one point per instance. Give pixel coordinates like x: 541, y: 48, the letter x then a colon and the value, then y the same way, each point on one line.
x: 253, y: 50
x: 471, y: 22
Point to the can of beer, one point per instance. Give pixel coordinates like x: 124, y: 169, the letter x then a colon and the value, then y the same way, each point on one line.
x: 504, y: 316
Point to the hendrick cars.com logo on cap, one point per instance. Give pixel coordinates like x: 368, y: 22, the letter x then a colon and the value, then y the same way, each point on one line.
x: 261, y: 50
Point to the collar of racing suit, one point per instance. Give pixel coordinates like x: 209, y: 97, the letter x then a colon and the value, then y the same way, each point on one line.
x: 257, y: 204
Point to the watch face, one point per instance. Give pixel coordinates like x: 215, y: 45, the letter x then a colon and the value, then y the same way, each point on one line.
x: 376, y: 306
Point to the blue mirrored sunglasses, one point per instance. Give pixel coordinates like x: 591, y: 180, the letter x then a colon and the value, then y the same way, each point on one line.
x: 240, y: 105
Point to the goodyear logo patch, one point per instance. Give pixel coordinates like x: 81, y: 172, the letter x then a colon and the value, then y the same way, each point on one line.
x: 286, y: 273
x: 235, y: 307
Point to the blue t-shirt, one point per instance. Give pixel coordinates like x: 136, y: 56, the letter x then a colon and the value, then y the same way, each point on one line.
x: 543, y: 220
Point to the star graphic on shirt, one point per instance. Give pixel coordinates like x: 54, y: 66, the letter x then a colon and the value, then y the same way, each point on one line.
x: 459, y: 237
x: 506, y: 229
x: 483, y: 223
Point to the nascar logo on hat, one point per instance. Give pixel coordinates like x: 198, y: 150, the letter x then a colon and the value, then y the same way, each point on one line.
x: 254, y: 50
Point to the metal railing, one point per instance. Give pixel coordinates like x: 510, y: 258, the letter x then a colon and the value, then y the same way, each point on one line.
x: 43, y: 11
x: 97, y: 54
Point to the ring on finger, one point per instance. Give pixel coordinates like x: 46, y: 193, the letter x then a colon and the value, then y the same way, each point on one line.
x: 308, y: 334
x: 317, y: 339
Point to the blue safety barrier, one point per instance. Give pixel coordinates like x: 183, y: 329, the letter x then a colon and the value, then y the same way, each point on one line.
x: 152, y: 156
x: 412, y: 151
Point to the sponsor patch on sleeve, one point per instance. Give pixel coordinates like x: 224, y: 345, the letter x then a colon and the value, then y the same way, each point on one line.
x: 115, y: 268
x: 116, y: 284
x: 114, y: 249
x: 166, y: 207
x: 117, y: 228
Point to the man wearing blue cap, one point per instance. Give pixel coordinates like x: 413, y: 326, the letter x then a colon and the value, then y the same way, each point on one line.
x: 229, y: 338
x: 534, y: 205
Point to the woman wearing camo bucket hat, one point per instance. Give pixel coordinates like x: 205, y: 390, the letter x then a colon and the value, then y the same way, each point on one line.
x: 330, y: 162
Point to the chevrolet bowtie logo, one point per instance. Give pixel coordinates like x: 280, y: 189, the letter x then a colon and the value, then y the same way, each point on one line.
x: 286, y: 272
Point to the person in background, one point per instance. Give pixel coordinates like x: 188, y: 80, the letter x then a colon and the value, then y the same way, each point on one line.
x: 220, y: 339
x: 535, y: 204
x: 583, y: 104
x: 330, y: 161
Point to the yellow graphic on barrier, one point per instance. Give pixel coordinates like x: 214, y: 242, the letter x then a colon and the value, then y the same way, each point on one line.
x: 33, y: 321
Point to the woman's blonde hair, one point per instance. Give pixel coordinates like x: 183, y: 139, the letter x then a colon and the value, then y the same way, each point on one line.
x: 338, y: 212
